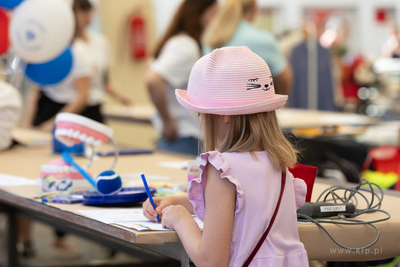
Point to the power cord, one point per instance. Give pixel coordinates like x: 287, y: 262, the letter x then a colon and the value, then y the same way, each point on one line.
x: 350, y: 196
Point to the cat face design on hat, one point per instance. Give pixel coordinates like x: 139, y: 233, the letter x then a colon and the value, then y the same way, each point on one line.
x: 252, y: 85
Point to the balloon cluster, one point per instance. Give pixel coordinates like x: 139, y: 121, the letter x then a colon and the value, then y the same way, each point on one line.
x: 40, y: 32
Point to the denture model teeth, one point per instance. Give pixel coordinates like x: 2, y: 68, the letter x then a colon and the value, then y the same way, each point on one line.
x: 60, y: 169
x: 73, y: 129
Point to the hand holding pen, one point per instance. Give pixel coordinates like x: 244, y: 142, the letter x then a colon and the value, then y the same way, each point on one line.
x: 154, y: 213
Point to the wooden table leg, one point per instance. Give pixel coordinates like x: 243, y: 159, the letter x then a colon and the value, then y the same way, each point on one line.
x: 12, y: 238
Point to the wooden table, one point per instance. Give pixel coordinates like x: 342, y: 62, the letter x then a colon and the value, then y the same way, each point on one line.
x: 288, y: 117
x: 26, y: 162
x: 301, y: 118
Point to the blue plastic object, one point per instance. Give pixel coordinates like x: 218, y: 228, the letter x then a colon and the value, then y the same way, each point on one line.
x: 51, y: 72
x: 126, y: 195
x: 59, y: 147
x: 10, y: 4
x: 68, y: 159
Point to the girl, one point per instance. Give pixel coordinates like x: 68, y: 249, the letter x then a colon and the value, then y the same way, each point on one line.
x: 244, y: 171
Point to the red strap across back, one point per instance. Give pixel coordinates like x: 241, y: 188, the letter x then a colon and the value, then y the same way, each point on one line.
x: 264, y: 236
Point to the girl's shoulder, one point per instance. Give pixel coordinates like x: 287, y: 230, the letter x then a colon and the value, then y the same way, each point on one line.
x: 219, y: 159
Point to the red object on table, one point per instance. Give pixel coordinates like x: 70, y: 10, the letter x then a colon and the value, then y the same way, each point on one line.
x: 306, y: 173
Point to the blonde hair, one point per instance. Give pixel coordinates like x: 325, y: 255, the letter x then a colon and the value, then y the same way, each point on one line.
x: 251, y: 133
x: 223, y: 25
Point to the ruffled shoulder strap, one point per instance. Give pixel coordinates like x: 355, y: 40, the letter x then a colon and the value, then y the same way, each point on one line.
x: 197, y: 186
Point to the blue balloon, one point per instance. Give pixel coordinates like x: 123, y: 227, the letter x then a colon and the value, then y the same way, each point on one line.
x: 10, y: 4
x: 51, y: 72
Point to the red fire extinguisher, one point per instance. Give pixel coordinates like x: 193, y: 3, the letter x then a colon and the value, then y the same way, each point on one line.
x: 137, y: 36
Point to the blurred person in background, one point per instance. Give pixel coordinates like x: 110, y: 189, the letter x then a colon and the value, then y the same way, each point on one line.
x: 100, y: 55
x: 174, y: 57
x: 232, y: 26
x: 69, y: 95
x: 83, y: 90
x: 10, y: 110
x: 391, y: 48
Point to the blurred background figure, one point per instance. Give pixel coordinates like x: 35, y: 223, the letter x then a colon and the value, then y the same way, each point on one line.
x: 99, y: 53
x: 10, y: 110
x: 174, y: 57
x: 232, y: 27
x: 83, y: 90
x: 70, y: 95
x: 311, y: 63
x: 391, y: 48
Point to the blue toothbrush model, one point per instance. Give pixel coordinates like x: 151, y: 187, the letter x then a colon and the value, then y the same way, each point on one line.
x: 68, y: 159
x: 107, y: 183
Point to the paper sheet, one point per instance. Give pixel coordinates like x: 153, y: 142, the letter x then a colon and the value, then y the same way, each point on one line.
x: 129, y: 217
x: 11, y: 180
x: 149, y: 225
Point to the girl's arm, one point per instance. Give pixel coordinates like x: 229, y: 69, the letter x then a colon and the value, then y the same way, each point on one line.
x: 212, y: 247
x: 31, y: 106
x: 76, y: 106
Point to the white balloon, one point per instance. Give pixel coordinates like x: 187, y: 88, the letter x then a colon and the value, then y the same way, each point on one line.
x: 40, y: 30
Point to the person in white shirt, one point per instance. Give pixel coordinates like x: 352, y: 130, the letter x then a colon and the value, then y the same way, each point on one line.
x: 70, y: 95
x: 99, y: 54
x: 83, y: 90
x: 10, y: 111
x: 174, y: 58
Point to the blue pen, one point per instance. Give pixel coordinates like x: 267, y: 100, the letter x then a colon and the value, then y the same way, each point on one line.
x: 149, y: 195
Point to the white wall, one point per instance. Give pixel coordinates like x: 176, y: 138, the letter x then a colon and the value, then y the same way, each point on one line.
x: 163, y: 11
x: 366, y: 34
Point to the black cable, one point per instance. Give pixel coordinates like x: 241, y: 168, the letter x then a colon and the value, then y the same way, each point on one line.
x: 350, y: 196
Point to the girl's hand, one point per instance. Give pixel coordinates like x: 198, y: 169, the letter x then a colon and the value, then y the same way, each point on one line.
x: 161, y: 203
x: 175, y: 215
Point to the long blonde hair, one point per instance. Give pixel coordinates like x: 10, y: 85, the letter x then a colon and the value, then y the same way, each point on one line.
x: 223, y: 25
x: 251, y: 132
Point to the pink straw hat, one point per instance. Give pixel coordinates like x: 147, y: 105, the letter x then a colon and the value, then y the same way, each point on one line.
x: 230, y: 81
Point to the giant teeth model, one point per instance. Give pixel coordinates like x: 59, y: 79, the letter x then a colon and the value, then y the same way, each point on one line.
x: 72, y: 129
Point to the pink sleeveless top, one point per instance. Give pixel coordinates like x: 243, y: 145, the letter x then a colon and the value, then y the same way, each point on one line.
x: 258, y: 185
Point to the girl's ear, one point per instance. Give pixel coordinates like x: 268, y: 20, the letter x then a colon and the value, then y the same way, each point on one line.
x: 226, y: 118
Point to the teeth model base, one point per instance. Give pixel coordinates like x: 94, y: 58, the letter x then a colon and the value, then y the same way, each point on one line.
x: 73, y: 129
